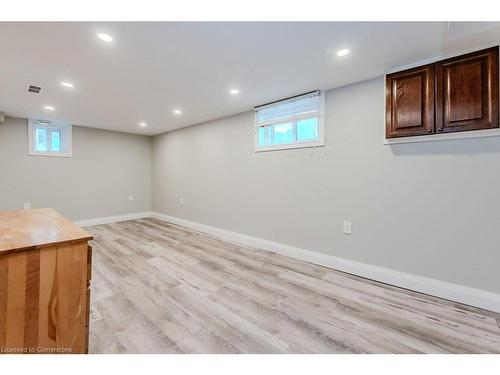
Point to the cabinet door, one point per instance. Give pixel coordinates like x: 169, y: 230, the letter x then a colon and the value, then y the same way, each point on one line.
x: 410, y: 102
x: 467, y: 92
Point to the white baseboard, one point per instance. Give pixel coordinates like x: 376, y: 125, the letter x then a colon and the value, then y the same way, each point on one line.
x: 113, y: 219
x: 454, y: 292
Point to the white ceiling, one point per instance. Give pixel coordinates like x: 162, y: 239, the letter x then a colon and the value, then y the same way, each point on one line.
x: 151, y: 68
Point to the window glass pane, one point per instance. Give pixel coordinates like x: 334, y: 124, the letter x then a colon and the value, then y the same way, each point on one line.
x: 55, y: 140
x: 40, y: 140
x: 307, y: 129
x: 283, y: 133
x: 264, y: 136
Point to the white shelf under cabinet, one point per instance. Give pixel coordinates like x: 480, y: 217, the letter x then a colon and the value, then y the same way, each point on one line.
x: 444, y: 136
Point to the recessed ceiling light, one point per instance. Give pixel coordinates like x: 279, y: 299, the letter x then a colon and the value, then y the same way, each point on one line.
x: 177, y: 112
x: 342, y: 52
x: 67, y: 84
x: 143, y: 124
x: 234, y: 91
x: 49, y: 108
x: 105, y: 37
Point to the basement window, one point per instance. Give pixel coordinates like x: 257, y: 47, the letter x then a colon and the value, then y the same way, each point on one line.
x: 290, y: 123
x: 48, y: 138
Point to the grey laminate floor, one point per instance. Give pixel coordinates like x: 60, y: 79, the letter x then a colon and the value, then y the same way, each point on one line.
x: 161, y: 288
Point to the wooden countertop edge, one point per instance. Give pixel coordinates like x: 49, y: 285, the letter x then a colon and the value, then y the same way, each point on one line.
x: 38, y: 228
x: 48, y: 244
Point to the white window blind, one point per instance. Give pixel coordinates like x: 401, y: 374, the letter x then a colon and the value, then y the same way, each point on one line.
x: 290, y: 123
x: 306, y: 105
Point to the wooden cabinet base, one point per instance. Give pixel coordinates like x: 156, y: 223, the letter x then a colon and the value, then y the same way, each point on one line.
x: 44, y: 299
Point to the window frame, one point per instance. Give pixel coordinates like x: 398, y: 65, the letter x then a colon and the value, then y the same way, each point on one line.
x: 320, y: 142
x: 66, y: 138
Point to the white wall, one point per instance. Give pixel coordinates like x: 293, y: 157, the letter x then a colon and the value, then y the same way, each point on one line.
x: 430, y: 209
x: 105, y: 168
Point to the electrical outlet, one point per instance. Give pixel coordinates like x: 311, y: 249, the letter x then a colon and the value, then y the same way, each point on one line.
x: 181, y: 201
x: 347, y: 227
x: 131, y: 197
x: 27, y: 206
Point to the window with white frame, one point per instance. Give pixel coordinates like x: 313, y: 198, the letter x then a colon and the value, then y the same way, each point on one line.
x: 291, y: 123
x: 48, y: 138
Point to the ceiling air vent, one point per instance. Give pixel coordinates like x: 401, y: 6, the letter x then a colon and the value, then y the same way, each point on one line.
x: 34, y: 89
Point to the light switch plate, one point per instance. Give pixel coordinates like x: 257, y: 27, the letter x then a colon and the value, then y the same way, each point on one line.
x: 131, y: 197
x: 27, y: 206
x: 347, y: 227
x: 181, y: 201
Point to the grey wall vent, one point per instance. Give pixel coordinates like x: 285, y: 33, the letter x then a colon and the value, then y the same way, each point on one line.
x: 34, y: 89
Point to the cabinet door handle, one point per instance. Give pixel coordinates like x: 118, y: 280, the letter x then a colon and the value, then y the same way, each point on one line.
x: 429, y: 131
x: 440, y: 129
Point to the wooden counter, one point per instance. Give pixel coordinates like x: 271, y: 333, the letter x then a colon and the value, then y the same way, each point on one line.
x: 45, y: 269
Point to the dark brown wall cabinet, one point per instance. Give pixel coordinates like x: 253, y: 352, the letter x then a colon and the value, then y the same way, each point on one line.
x: 453, y: 95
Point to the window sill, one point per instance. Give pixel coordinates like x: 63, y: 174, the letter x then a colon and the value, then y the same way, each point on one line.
x: 290, y: 146
x: 444, y: 137
x: 58, y: 155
